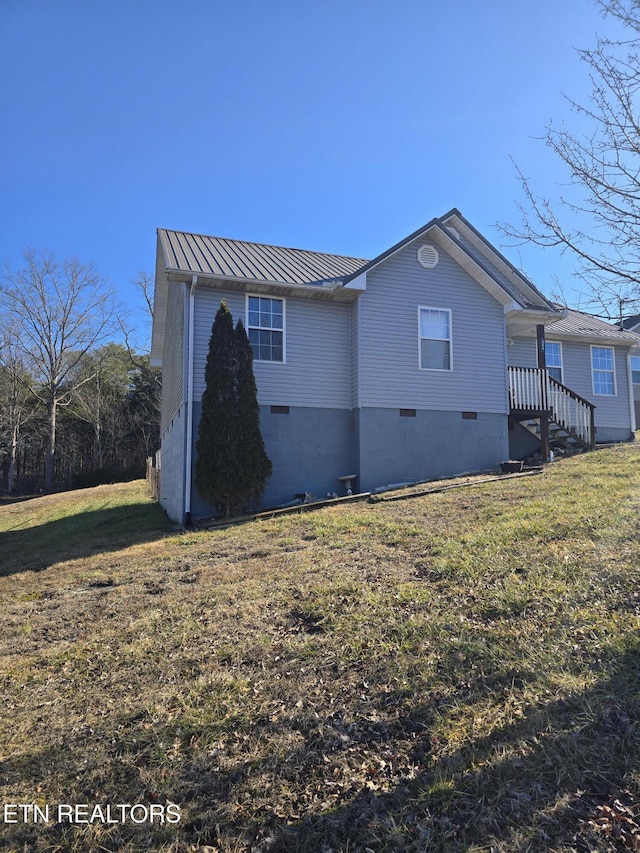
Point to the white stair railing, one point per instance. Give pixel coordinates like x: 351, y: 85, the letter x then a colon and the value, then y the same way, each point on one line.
x: 571, y: 411
x: 528, y: 388
x: 531, y: 389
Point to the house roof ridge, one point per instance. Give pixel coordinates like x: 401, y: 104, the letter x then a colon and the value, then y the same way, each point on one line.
x: 391, y: 250
x: 205, y: 254
x: 441, y: 223
x: 260, y: 244
x: 524, y: 279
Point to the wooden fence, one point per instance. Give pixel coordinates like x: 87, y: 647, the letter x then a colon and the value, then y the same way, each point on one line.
x: 153, y: 475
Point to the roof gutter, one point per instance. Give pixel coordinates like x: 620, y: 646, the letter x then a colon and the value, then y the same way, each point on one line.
x: 538, y: 315
x: 325, y: 289
x: 189, y: 426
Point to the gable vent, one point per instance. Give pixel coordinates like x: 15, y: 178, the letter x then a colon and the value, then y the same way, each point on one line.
x: 427, y: 256
x: 453, y: 231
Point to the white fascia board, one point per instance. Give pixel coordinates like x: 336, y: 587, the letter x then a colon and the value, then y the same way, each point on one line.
x: 522, y: 322
x: 533, y: 315
x: 358, y: 283
x: 592, y: 338
x: 495, y: 258
x: 494, y: 288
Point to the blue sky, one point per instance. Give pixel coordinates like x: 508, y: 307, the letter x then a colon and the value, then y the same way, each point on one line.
x: 334, y: 125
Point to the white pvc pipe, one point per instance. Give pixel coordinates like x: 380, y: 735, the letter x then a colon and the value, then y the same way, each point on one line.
x: 632, y: 407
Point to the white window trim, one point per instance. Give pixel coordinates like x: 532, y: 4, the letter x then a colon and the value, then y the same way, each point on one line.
x: 284, y: 325
x: 593, y: 372
x: 631, y: 357
x: 450, y: 339
x: 559, y: 343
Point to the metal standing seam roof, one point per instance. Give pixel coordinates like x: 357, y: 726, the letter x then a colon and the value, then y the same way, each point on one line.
x: 584, y: 325
x: 515, y: 292
x: 225, y: 258
x: 221, y: 257
x: 511, y: 287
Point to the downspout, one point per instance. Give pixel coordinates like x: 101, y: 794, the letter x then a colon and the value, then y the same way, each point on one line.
x: 189, y: 448
x: 632, y: 405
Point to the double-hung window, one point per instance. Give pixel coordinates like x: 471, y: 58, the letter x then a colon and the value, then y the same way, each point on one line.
x: 553, y: 359
x: 603, y: 371
x: 265, y: 327
x: 435, y: 338
x: 635, y: 369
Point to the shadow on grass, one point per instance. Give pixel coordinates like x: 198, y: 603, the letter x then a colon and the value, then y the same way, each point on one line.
x: 563, y: 777
x: 6, y: 500
x: 533, y: 785
x: 80, y: 535
x: 559, y: 778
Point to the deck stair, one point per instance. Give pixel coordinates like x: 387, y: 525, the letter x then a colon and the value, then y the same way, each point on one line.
x: 558, y: 435
x: 534, y: 396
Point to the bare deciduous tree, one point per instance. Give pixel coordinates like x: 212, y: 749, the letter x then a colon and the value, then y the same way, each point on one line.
x: 597, y: 218
x: 59, y: 312
x: 16, y: 407
x: 99, y: 396
x: 144, y: 283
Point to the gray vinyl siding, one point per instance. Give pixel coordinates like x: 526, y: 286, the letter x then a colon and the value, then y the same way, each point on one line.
x: 173, y: 392
x: 355, y: 349
x: 612, y: 413
x: 522, y: 352
x: 172, y: 462
x: 389, y: 369
x: 317, y: 367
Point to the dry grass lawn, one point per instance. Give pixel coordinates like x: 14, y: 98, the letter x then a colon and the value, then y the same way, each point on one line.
x: 455, y: 672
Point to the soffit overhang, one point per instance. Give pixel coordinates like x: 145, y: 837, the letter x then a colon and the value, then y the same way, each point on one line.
x: 522, y: 322
x: 327, y: 291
